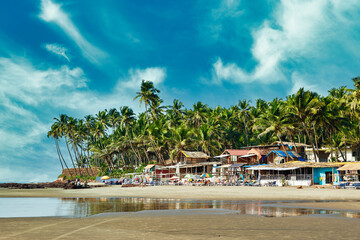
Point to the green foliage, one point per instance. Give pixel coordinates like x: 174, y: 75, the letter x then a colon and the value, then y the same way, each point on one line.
x: 117, y: 142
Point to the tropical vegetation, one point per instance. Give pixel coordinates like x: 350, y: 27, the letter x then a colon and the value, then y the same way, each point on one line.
x: 118, y: 139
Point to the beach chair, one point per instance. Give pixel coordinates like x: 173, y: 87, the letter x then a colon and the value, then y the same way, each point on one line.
x: 343, y: 185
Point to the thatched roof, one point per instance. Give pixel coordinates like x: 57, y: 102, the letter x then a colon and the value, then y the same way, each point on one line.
x: 189, y: 154
x: 350, y: 167
x: 300, y: 164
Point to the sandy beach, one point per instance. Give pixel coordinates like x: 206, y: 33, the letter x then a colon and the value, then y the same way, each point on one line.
x: 192, y: 192
x: 190, y: 224
x: 198, y: 226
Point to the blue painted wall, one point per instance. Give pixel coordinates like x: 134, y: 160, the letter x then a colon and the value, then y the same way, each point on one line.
x: 320, y: 175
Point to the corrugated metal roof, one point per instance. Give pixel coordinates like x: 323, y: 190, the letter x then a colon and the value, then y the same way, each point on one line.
x: 247, y: 155
x: 235, y: 165
x: 221, y: 156
x: 225, y: 166
x: 236, y: 152
x: 292, y: 154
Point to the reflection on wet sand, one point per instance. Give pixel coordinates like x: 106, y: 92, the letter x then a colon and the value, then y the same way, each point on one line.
x: 82, y: 207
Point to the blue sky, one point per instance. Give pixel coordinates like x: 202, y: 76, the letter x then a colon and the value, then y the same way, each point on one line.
x: 79, y: 57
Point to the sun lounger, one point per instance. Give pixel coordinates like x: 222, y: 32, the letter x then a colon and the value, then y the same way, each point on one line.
x: 343, y: 185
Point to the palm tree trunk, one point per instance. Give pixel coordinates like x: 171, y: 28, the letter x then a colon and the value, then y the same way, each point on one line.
x: 146, y: 154
x: 341, y: 153
x: 311, y: 141
x: 72, y: 160
x: 316, y: 142
x: 293, y: 141
x: 57, y: 150
x: 139, y: 158
x: 281, y: 142
x: 77, y: 159
x: 246, y: 134
x: 331, y: 147
x: 62, y: 157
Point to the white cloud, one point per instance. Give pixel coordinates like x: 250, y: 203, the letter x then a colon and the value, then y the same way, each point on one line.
x: 21, y: 175
x: 31, y: 96
x: 218, y: 19
x: 52, y: 12
x: 300, y: 81
x: 58, y: 50
x: 302, y: 36
x: 153, y: 74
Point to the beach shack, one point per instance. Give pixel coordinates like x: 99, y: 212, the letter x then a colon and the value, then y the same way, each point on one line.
x: 199, y: 168
x: 239, y: 156
x: 350, y: 172
x: 282, y: 174
x: 279, y: 156
x: 298, y: 173
x: 299, y: 148
x: 326, y: 173
x: 192, y: 157
x: 261, y: 155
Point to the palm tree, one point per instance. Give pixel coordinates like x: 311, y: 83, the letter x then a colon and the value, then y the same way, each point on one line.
x: 206, y: 139
x: 197, y: 114
x: 113, y: 118
x: 302, y: 106
x: 244, y: 106
x: 147, y: 94
x: 273, y: 120
x: 127, y: 117
x: 55, y: 133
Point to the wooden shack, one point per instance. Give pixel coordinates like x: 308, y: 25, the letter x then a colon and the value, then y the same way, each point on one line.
x: 192, y: 157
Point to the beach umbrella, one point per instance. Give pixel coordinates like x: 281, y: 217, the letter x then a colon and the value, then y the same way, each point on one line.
x: 105, y: 178
x: 206, y: 175
x: 174, y: 178
x: 189, y: 176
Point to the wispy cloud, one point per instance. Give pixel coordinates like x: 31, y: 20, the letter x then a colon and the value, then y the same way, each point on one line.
x: 52, y: 12
x: 302, y: 36
x: 219, y: 19
x: 31, y: 96
x: 58, y: 50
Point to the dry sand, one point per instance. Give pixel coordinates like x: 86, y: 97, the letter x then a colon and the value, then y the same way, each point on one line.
x: 185, y: 225
x: 191, y: 192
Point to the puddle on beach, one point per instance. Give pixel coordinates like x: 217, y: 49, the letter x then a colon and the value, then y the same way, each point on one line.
x: 85, y: 207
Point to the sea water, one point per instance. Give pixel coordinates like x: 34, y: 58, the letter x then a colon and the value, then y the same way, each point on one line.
x: 85, y: 207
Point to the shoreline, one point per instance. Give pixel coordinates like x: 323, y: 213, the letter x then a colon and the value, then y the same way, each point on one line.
x: 190, y: 223
x: 193, y: 192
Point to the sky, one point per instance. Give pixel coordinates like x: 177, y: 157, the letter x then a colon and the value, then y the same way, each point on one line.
x: 80, y: 57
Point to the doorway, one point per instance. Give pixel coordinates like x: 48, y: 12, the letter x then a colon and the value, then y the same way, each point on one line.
x: 328, y: 177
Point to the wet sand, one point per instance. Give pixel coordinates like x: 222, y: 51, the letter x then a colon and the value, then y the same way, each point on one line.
x: 198, y: 226
x: 191, y: 192
x: 328, y: 205
x: 182, y: 224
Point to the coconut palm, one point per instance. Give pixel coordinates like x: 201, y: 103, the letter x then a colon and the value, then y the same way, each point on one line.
x: 273, y: 120
x: 302, y: 106
x: 147, y: 94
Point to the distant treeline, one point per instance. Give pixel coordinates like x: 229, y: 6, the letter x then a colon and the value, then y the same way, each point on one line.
x: 118, y: 139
